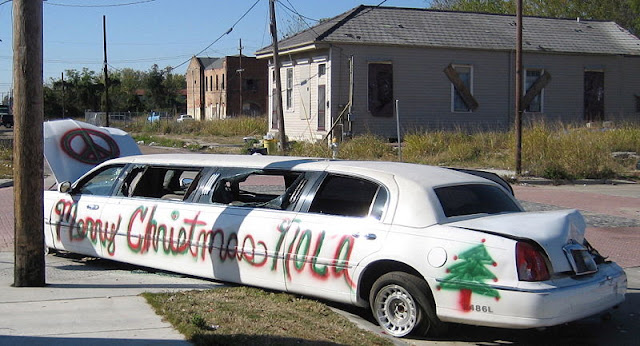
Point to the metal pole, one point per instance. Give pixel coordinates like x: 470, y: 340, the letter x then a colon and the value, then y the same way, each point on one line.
x: 398, y: 131
x: 276, y: 65
x: 63, y: 110
x: 28, y: 177
x: 518, y: 87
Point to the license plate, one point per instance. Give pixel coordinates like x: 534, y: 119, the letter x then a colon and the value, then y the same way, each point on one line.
x: 581, y: 260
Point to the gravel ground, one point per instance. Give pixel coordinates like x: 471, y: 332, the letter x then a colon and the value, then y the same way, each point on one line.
x: 592, y: 219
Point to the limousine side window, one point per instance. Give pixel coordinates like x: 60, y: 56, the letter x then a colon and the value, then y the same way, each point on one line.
x: 100, y: 183
x: 348, y: 196
x: 170, y: 183
x: 258, y: 188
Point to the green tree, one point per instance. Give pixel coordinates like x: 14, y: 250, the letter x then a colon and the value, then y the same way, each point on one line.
x: 469, y: 275
x: 129, y: 90
x: 624, y: 12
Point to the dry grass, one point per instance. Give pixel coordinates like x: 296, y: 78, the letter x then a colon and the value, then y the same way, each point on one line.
x: 250, y: 316
x: 6, y: 163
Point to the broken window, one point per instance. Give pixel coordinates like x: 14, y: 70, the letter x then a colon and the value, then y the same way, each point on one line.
x: 100, y: 183
x: 380, y: 86
x: 322, y: 70
x: 171, y: 183
x: 258, y: 188
x: 458, y: 103
x: 531, y: 77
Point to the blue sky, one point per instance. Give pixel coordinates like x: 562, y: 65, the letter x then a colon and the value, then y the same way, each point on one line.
x: 162, y: 32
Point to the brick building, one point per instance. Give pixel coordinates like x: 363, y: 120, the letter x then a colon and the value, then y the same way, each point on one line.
x: 217, y: 87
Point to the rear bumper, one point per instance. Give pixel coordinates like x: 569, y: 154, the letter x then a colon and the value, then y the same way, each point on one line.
x: 568, y: 300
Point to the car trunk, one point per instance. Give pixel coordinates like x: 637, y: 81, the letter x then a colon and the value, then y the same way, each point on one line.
x: 559, y: 233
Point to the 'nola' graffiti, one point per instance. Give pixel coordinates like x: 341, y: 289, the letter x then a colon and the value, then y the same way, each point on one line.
x: 469, y: 275
x: 300, y: 248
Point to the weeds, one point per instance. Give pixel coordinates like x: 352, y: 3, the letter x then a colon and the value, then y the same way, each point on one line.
x: 246, y: 315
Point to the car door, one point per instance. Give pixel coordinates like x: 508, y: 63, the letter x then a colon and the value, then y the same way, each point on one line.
x: 159, y: 223
x: 75, y: 216
x: 339, y: 226
x: 251, y: 210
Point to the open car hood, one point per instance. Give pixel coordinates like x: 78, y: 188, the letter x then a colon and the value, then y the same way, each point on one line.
x: 72, y: 148
x: 550, y: 229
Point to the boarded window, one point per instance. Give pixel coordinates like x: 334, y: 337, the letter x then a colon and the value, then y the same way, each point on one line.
x: 531, y: 76
x: 381, y: 89
x: 464, y: 75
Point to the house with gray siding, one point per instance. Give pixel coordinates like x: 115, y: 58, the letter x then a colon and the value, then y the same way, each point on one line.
x: 447, y: 70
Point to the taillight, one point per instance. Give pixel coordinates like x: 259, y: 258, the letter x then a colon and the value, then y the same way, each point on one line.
x: 531, y: 263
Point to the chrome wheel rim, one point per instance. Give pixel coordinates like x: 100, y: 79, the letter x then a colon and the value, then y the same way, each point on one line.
x: 395, y: 310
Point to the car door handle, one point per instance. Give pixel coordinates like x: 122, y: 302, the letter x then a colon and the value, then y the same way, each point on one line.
x: 369, y: 236
x: 93, y: 206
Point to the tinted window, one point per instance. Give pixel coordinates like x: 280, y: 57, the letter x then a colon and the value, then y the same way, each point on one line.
x: 101, y: 183
x: 474, y: 199
x: 348, y: 197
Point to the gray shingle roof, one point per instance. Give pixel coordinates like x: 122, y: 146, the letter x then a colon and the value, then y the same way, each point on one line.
x: 433, y: 28
x: 208, y: 62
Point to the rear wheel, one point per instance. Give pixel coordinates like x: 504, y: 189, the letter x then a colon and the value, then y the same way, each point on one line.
x: 400, y: 304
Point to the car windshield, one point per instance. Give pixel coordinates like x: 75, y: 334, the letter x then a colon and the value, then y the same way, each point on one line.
x: 470, y: 199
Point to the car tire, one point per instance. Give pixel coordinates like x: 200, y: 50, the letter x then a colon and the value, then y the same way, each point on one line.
x: 400, y: 305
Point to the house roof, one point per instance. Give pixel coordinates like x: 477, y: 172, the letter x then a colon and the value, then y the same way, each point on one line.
x: 208, y: 62
x: 464, y: 30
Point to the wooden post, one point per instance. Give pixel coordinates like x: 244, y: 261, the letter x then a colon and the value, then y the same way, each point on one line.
x: 518, y: 87
x: 63, y: 111
x: 28, y: 110
x: 282, y: 138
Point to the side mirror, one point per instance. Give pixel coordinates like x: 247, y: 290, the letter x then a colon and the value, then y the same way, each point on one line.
x: 185, y: 183
x: 64, y: 187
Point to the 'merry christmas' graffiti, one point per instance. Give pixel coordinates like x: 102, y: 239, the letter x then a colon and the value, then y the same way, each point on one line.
x: 469, y: 275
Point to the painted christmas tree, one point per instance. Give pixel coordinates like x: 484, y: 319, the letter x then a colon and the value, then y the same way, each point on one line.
x: 469, y: 275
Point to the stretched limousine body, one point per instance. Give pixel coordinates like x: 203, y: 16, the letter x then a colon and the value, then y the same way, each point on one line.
x: 420, y: 245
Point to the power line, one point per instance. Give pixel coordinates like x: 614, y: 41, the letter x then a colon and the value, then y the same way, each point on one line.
x: 221, y: 36
x: 110, y: 5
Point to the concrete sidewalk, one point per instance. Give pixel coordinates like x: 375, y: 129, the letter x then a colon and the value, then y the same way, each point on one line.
x: 87, y: 301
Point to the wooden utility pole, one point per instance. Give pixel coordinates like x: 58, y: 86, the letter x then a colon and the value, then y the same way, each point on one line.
x: 63, y: 111
x: 240, y: 70
x: 28, y: 111
x: 106, y: 74
x: 518, y: 98
x: 282, y: 138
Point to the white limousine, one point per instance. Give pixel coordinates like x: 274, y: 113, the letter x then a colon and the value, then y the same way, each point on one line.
x: 419, y: 245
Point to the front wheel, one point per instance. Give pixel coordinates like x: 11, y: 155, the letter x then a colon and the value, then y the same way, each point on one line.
x: 400, y: 304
